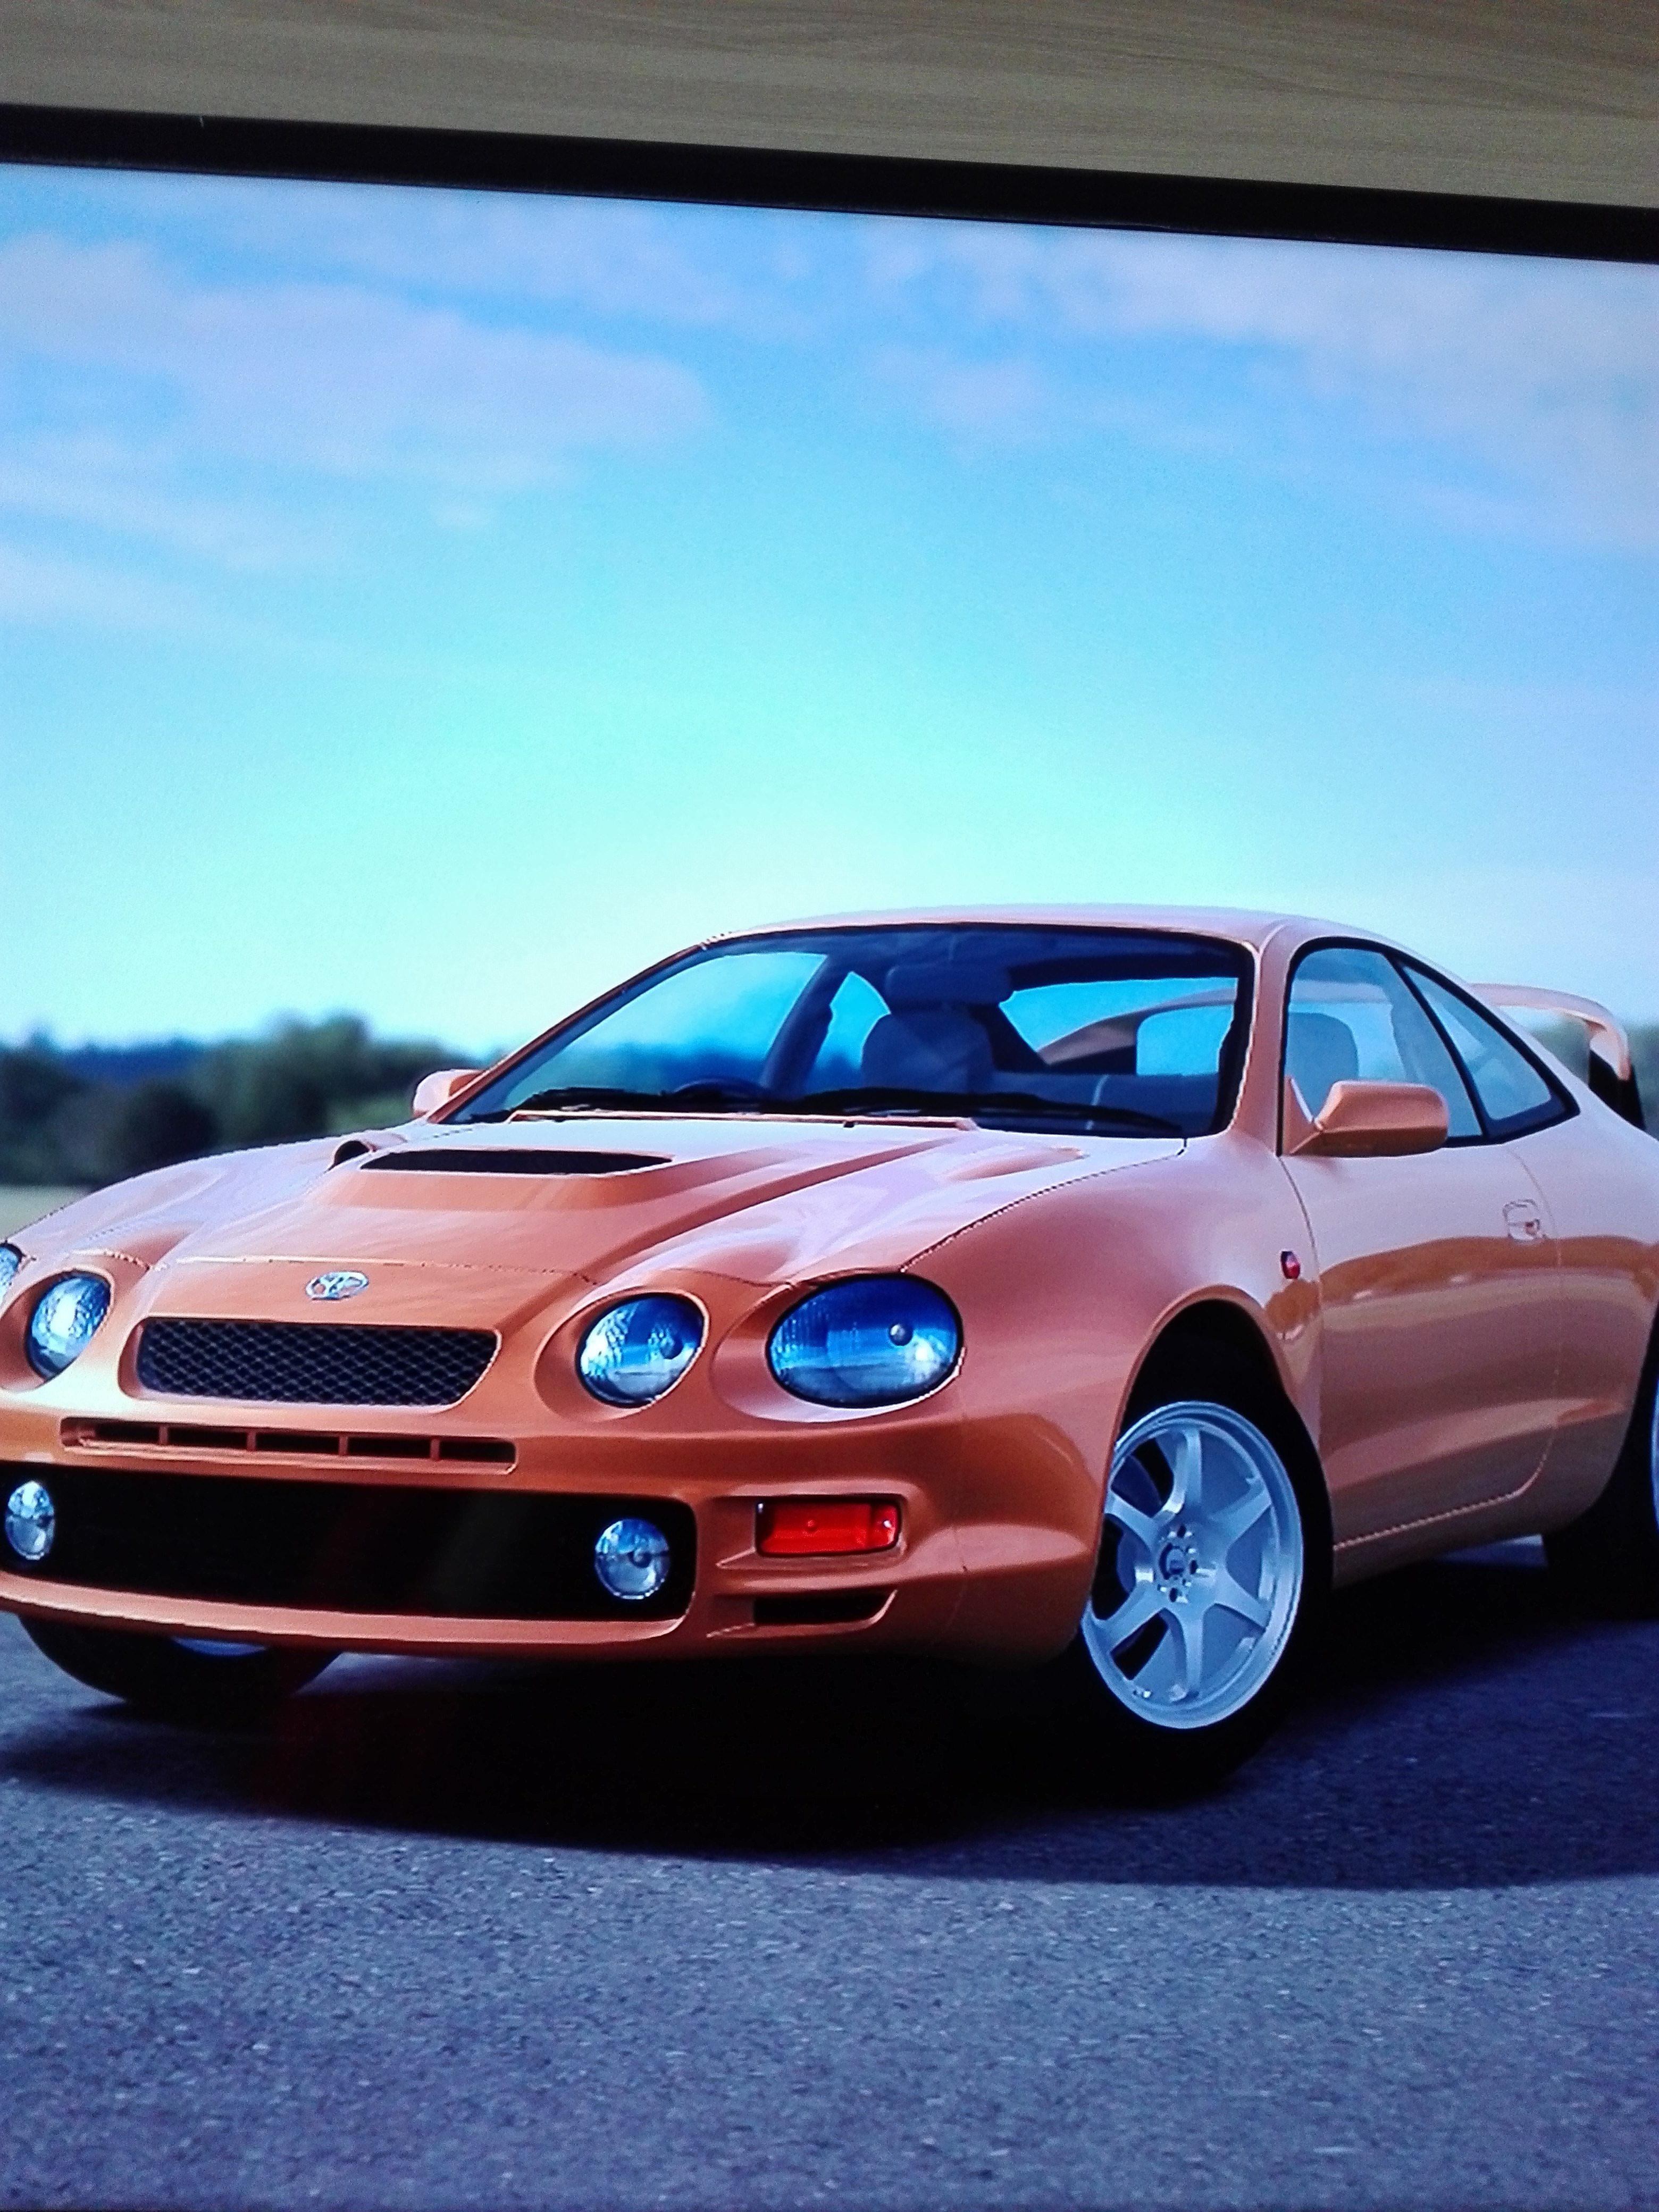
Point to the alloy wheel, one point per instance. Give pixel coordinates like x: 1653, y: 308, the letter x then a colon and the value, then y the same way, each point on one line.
x: 1200, y: 1568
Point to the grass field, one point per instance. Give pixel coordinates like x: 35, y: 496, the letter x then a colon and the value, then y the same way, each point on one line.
x: 19, y: 1204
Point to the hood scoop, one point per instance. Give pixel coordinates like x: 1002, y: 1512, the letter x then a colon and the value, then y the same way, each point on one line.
x: 451, y: 1160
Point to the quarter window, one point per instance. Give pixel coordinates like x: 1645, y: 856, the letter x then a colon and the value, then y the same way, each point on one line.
x: 1350, y: 1017
x: 1515, y: 1096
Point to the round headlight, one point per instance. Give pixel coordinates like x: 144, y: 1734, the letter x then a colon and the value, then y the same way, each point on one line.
x: 10, y: 1261
x: 874, y: 1341
x: 64, y: 1321
x: 639, y: 1349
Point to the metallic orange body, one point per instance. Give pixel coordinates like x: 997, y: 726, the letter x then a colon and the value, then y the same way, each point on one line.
x: 1462, y: 1338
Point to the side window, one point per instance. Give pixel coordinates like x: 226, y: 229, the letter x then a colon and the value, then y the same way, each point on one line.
x: 1350, y: 1017
x: 1514, y: 1095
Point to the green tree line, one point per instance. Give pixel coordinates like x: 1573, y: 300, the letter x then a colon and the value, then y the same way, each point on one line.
x: 69, y: 1117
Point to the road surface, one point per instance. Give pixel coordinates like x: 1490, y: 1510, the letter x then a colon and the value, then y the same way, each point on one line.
x: 789, y: 1937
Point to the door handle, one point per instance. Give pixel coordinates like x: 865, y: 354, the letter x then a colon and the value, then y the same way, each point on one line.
x: 1524, y: 1219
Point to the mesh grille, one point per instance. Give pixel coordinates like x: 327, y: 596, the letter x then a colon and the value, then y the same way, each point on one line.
x: 300, y: 1363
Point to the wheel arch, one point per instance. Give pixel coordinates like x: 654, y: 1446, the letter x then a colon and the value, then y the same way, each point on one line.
x: 1218, y: 1326
x: 1220, y: 1334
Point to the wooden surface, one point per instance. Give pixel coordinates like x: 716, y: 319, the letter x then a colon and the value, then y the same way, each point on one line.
x: 1545, y: 99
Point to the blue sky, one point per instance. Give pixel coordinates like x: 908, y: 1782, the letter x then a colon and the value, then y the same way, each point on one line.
x: 441, y: 604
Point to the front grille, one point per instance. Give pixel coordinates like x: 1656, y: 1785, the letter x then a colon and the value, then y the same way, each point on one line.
x: 310, y: 1364
x: 349, y: 1547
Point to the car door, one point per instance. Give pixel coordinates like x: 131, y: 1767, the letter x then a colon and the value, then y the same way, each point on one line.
x: 1603, y: 1231
x: 1440, y: 1326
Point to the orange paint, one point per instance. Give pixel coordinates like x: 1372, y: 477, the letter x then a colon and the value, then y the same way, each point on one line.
x: 1460, y: 1328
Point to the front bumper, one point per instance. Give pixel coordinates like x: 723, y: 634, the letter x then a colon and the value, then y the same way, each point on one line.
x: 1000, y: 1504
x: 160, y: 1514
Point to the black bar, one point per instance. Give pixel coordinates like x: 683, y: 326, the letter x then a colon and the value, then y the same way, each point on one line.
x: 352, y: 1547
x: 634, y: 169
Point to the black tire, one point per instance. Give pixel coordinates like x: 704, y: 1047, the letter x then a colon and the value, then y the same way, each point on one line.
x: 1153, y: 1750
x: 163, y: 1676
x: 1607, y: 1561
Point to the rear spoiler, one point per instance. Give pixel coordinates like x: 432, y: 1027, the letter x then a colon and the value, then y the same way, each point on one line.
x: 1611, y: 1074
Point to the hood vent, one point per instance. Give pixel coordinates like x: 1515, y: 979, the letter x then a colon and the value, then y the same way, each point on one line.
x: 451, y: 1160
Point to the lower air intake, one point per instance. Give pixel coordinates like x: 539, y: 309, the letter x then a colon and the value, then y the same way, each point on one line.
x: 351, y: 1548
x: 307, y: 1364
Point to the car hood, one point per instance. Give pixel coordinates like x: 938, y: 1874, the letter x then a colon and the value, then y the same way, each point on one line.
x: 500, y: 1209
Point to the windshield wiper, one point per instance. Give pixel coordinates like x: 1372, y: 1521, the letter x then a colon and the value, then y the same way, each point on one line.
x: 718, y: 1097
x: 1073, y: 1109
x: 975, y: 1105
x: 714, y: 1095
x: 573, y: 1094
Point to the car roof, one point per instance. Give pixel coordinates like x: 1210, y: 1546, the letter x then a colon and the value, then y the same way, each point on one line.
x: 1239, y: 925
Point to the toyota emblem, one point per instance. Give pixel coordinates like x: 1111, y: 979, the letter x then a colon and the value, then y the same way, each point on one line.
x: 337, y: 1283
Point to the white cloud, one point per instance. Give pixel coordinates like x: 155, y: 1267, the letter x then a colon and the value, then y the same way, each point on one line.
x: 124, y: 489
x: 1546, y: 373
x: 1008, y: 400
x: 334, y: 378
x: 41, y: 590
x: 693, y: 267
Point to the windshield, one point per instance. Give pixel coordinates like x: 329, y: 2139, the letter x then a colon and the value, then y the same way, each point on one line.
x: 1108, y: 1030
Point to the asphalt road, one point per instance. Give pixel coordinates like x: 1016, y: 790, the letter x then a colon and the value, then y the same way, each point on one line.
x: 787, y: 1937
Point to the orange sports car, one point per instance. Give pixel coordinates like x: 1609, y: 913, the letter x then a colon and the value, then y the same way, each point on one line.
x: 1091, y: 1287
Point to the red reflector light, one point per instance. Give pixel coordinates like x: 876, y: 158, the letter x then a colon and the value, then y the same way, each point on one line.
x: 798, y: 1528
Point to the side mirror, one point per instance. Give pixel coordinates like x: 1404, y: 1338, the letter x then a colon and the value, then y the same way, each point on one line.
x: 433, y: 1092
x: 1366, y: 1121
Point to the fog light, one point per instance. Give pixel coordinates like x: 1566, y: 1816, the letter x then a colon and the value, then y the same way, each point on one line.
x: 31, y: 1522
x: 799, y: 1527
x: 631, y: 1557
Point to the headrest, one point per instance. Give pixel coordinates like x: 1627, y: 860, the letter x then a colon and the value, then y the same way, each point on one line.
x: 927, y: 980
x: 1319, y: 1051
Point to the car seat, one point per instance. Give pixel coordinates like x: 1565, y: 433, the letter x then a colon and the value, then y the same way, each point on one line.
x: 930, y: 1041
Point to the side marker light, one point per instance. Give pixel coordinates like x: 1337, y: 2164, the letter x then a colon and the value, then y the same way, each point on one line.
x: 809, y: 1528
x: 1290, y: 1267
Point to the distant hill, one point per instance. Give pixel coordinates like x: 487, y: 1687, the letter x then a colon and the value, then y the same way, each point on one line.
x: 124, y: 1065
x: 94, y: 1113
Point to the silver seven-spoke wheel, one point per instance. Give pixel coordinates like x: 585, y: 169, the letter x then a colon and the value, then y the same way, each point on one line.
x: 1200, y: 1570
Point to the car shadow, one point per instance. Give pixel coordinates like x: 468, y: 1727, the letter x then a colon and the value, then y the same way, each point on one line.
x: 1460, y: 1732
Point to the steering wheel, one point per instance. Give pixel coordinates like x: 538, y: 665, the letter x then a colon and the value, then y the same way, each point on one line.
x: 740, y: 1086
